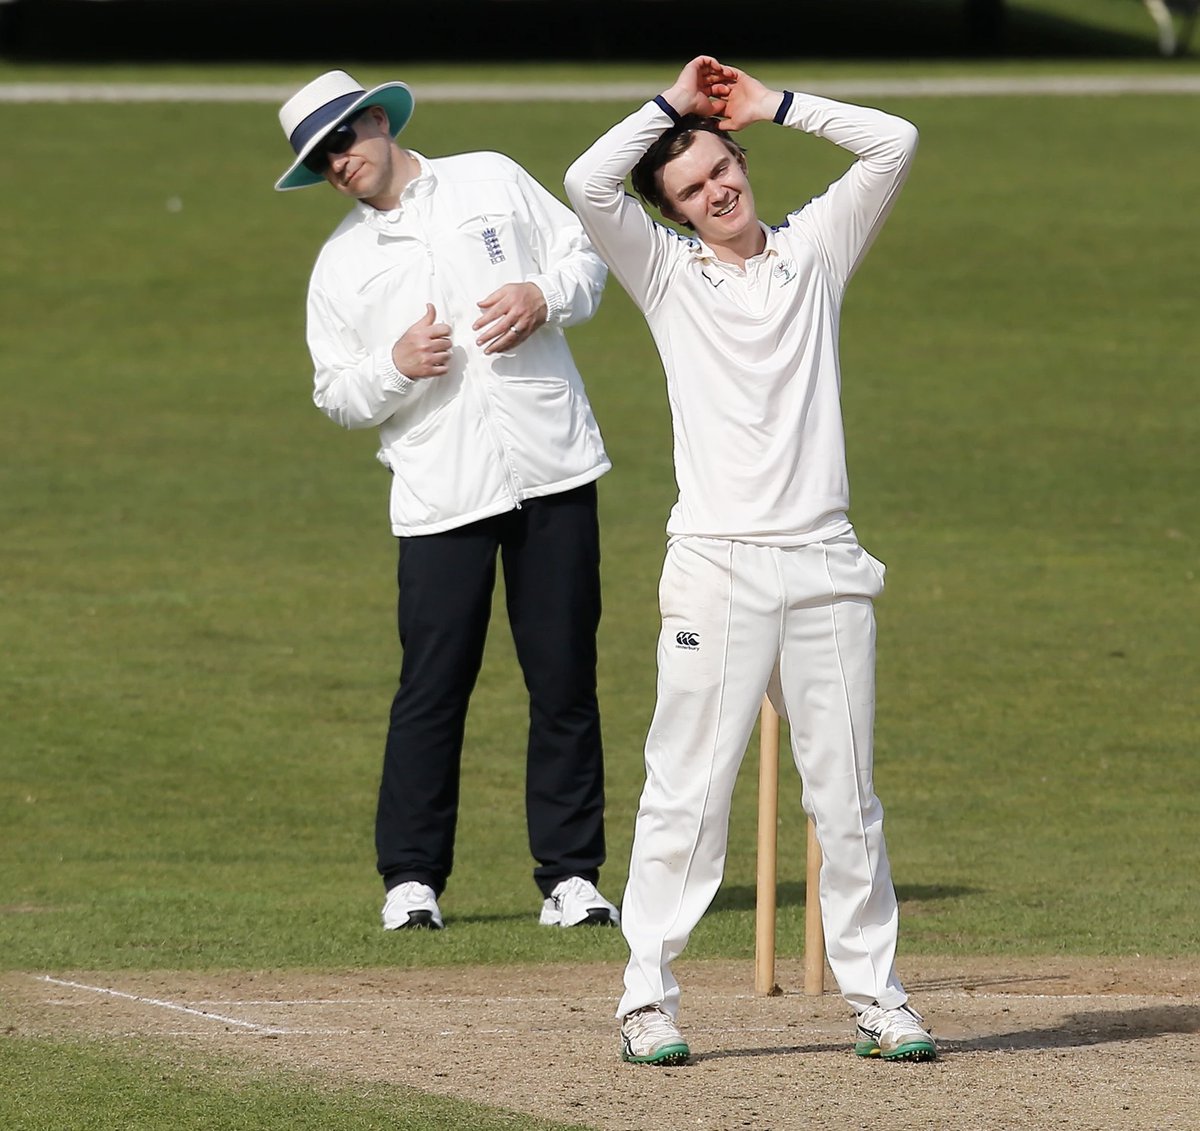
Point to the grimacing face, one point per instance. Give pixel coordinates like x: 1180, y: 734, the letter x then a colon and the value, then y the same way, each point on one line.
x: 707, y: 188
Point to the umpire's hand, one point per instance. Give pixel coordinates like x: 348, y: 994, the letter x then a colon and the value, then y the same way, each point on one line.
x: 423, y: 350
x: 509, y: 316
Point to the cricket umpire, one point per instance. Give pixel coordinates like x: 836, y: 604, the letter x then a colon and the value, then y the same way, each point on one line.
x: 765, y: 587
x: 435, y: 314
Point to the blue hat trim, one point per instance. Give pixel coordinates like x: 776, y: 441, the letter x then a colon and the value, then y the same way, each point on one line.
x: 322, y: 120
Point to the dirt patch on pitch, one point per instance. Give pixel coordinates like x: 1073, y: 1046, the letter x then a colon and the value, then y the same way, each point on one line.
x: 1090, y: 1044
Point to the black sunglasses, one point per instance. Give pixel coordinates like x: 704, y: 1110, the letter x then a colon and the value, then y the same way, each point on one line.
x: 338, y: 140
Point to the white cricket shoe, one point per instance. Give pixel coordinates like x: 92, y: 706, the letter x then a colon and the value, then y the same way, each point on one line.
x: 575, y: 902
x: 894, y: 1034
x: 411, y: 904
x: 649, y: 1036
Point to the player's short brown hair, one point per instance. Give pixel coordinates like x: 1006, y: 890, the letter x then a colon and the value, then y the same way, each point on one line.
x: 646, y: 173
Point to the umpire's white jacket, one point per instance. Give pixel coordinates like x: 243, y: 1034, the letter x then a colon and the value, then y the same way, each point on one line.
x: 493, y: 431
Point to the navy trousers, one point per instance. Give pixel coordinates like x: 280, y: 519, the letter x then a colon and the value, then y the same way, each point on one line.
x: 550, y: 552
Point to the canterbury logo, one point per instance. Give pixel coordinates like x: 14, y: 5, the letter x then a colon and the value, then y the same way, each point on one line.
x: 688, y: 640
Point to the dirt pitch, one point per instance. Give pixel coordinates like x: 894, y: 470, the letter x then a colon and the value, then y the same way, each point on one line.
x: 1085, y: 1044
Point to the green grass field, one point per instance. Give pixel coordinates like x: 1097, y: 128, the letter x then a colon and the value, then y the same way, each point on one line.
x: 196, y: 575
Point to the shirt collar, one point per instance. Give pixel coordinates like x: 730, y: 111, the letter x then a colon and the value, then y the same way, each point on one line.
x: 701, y: 251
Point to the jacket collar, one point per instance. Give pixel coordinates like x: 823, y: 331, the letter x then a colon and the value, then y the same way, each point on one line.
x: 421, y: 185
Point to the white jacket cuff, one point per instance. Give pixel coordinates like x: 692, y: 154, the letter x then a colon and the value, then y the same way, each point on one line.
x: 556, y: 303
x: 390, y: 377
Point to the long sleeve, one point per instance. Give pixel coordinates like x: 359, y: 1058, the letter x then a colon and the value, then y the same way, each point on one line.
x: 842, y: 222
x: 631, y: 243
x: 571, y: 275
x: 845, y: 219
x: 354, y: 386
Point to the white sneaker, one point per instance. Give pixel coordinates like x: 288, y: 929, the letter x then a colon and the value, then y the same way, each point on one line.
x: 411, y: 904
x: 575, y: 902
x: 649, y: 1036
x: 894, y: 1034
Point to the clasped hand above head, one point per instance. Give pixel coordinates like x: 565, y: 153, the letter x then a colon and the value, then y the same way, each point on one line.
x: 708, y: 87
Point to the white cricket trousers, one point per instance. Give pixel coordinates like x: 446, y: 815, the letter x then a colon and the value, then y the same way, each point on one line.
x: 798, y: 623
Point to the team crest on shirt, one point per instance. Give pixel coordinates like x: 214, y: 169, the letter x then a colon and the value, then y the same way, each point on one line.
x: 688, y: 640
x: 491, y: 244
x: 785, y: 271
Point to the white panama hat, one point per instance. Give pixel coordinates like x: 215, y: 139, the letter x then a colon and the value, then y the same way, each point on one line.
x: 325, y: 103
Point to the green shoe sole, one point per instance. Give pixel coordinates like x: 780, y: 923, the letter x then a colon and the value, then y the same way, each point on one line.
x: 666, y: 1057
x: 913, y: 1051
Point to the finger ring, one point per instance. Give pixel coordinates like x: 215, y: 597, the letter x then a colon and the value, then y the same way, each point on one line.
x: 515, y: 327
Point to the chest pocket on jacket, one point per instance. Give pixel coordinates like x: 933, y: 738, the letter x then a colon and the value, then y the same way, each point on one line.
x: 491, y: 241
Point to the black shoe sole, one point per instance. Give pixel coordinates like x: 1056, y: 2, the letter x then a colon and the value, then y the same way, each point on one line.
x: 596, y: 917
x: 420, y: 920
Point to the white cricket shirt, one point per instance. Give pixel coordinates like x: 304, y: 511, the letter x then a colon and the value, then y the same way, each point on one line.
x: 751, y: 357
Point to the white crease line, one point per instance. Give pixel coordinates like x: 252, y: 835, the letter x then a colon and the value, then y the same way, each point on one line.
x: 268, y: 1029
x: 227, y: 1003
x: 792, y: 1033
x: 208, y: 1033
x: 424, y: 1000
x: 936, y: 86
x: 410, y: 999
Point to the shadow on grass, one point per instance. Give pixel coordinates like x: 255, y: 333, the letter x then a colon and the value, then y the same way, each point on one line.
x: 741, y: 897
x: 518, y: 917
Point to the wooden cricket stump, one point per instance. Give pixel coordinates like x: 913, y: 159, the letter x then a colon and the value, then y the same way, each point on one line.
x: 814, y: 932
x: 765, y: 898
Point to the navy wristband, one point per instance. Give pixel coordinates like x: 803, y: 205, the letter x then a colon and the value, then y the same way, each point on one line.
x: 667, y: 108
x: 784, y: 106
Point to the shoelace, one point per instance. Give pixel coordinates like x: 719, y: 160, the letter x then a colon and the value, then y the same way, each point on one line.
x: 650, y: 1025
x: 898, y: 1023
x: 574, y: 886
x: 903, y: 1025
